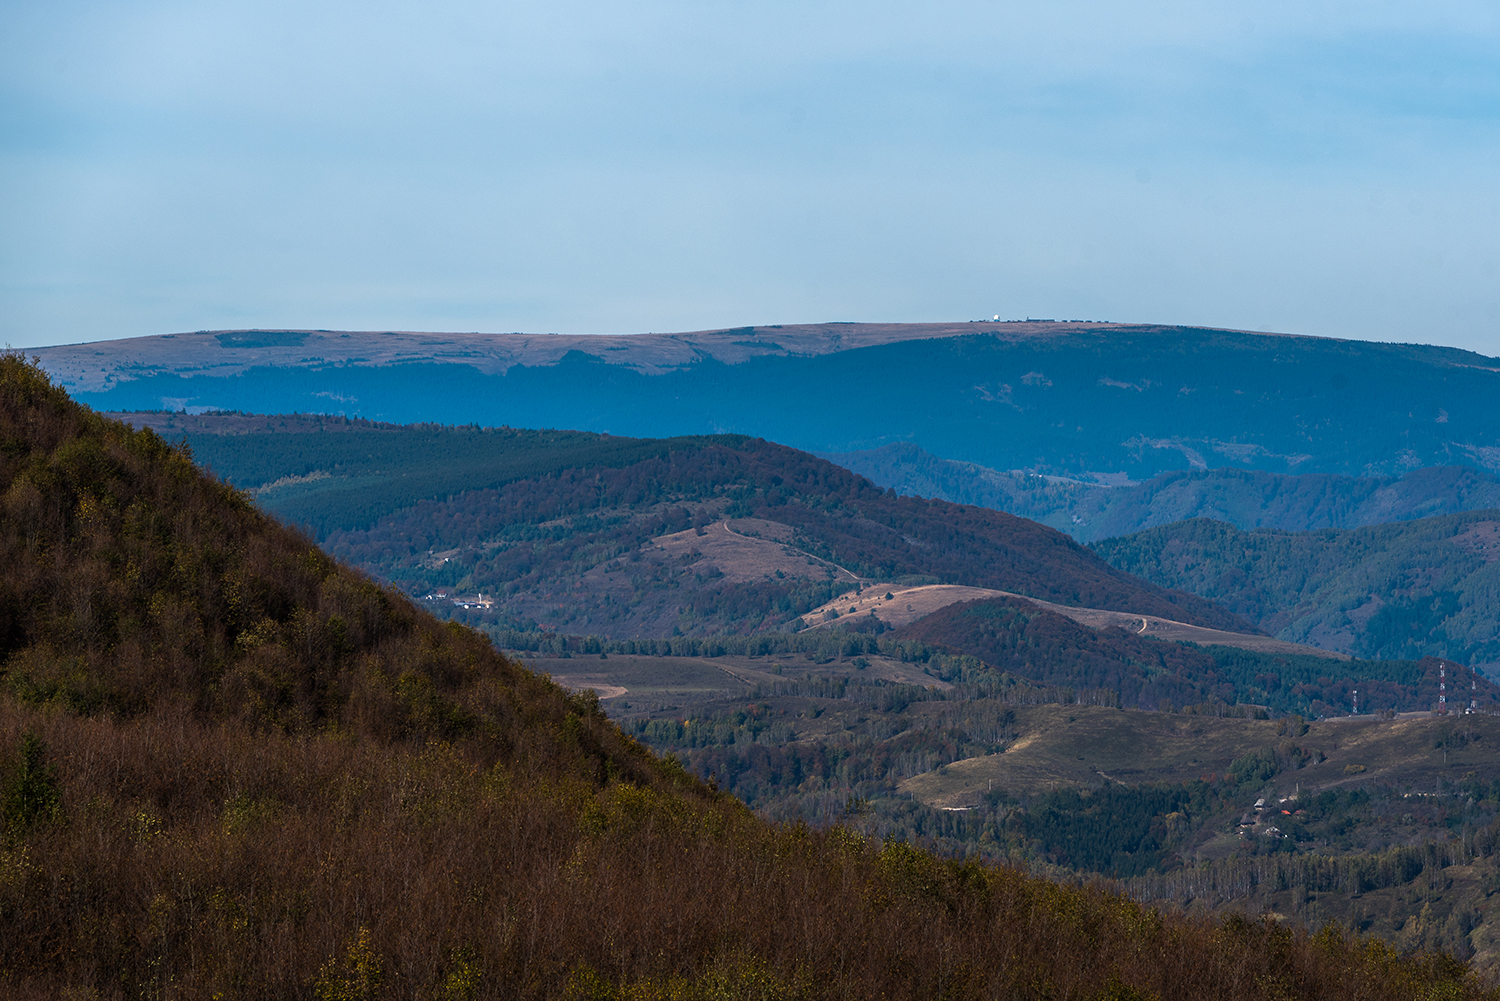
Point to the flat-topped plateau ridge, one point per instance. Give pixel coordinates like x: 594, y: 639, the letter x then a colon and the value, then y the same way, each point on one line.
x: 1092, y: 402
x: 95, y: 365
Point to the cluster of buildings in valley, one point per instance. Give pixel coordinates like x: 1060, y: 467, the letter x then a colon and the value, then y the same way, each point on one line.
x: 1258, y: 819
x: 439, y: 596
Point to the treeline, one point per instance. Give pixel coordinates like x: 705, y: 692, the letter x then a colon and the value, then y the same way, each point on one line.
x: 377, y: 470
x: 1016, y: 652
x: 1466, y: 811
x: 969, y: 677
x: 1230, y: 879
x: 747, y: 751
x: 1340, y: 883
x: 823, y: 645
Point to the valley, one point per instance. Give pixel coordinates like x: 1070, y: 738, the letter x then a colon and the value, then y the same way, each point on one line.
x: 523, y: 636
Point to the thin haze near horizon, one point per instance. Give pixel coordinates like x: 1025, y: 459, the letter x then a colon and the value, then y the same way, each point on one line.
x: 586, y: 167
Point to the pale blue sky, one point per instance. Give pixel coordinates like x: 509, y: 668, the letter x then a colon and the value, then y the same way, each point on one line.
x: 588, y: 167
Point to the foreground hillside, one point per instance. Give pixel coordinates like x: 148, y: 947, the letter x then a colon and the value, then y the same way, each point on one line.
x: 1062, y: 399
x: 1429, y: 587
x: 1247, y: 499
x: 234, y: 768
x: 1387, y: 821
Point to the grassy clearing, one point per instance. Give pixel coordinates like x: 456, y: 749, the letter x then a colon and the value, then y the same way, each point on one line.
x: 1083, y: 745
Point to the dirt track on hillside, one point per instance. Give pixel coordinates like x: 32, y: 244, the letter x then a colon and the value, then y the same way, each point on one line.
x: 911, y: 603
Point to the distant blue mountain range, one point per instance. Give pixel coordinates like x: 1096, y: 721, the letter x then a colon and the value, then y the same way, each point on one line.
x: 1074, y: 400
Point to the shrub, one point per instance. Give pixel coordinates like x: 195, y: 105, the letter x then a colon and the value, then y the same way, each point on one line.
x: 31, y: 794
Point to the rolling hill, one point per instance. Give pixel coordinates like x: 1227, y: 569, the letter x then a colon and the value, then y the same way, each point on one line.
x: 1024, y: 639
x: 1247, y: 499
x: 235, y: 767
x: 638, y: 537
x: 1410, y: 589
x: 1386, y: 821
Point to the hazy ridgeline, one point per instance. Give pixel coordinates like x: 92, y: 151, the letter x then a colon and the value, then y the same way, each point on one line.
x: 1246, y: 498
x: 1060, y: 399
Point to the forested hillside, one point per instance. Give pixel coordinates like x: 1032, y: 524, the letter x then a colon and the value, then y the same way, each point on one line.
x: 528, y: 541
x: 330, y: 474
x: 1089, y: 511
x: 1429, y: 587
x: 1045, y: 648
x: 233, y: 767
x: 564, y: 529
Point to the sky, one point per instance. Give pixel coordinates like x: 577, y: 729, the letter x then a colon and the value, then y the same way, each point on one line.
x: 587, y: 167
